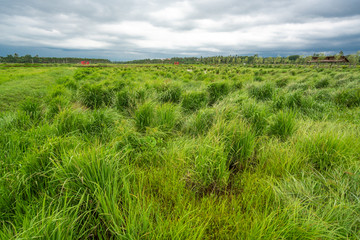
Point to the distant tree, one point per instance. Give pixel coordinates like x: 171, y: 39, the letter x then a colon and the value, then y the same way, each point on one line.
x: 308, y: 59
x: 278, y: 60
x: 354, y: 59
x: 321, y: 56
x: 27, y: 58
x: 246, y: 60
x: 271, y: 60
x: 293, y: 57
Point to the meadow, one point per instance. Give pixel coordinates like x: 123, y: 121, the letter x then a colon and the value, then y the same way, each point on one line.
x: 180, y: 152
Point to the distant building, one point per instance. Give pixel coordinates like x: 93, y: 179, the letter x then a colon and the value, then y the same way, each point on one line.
x: 329, y: 59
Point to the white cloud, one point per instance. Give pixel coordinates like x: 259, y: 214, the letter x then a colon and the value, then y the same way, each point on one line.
x: 177, y: 27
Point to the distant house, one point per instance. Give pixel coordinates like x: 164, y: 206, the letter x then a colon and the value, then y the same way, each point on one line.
x: 329, y: 59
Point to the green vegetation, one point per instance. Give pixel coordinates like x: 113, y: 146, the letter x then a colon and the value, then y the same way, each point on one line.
x: 180, y: 152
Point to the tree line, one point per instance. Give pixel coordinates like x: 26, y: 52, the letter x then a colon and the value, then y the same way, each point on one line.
x: 256, y: 59
x: 36, y: 59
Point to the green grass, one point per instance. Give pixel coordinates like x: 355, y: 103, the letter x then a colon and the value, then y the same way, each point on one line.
x: 179, y: 152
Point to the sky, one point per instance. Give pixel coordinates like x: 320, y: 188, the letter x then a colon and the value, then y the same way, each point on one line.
x: 137, y: 29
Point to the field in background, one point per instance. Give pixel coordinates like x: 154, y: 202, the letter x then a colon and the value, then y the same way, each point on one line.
x: 180, y: 152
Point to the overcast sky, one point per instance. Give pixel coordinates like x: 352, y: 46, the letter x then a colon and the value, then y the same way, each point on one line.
x: 136, y: 29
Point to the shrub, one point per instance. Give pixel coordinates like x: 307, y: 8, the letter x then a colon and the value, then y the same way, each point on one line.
x: 194, y: 100
x: 348, y: 97
x: 216, y: 91
x: 262, y: 92
x: 283, y: 125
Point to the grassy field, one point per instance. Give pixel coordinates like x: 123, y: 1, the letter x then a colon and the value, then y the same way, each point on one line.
x: 180, y: 152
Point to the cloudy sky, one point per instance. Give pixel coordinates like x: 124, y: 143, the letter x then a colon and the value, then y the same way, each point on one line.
x: 136, y: 29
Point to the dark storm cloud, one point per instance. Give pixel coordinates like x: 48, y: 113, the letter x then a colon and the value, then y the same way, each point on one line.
x: 140, y: 28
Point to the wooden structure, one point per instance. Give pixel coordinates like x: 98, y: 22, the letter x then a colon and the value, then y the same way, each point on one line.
x: 329, y: 59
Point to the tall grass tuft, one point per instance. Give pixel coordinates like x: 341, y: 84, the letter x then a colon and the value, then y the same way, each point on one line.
x: 94, y: 96
x: 261, y: 92
x: 240, y: 142
x: 56, y: 105
x: 217, y: 90
x: 144, y: 116
x: 200, y: 122
x: 323, y: 83
x: 170, y: 93
x: 194, y: 100
x: 256, y: 115
x: 283, y: 124
x: 348, y: 97
x: 99, y: 122
x: 125, y: 100
x: 282, y: 82
x: 210, y: 172
x: 326, y: 150
x: 70, y: 121
x: 167, y: 117
x: 32, y: 108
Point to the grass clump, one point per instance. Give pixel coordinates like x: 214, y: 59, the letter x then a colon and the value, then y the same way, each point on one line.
x: 170, y: 93
x: 283, y: 124
x: 200, y: 122
x: 323, y: 83
x: 210, y: 172
x: 194, y: 100
x: 326, y: 150
x: 282, y: 82
x: 256, y: 115
x: 217, y: 90
x: 348, y: 97
x: 144, y: 116
x: 94, y: 96
x: 32, y: 108
x: 100, y: 121
x: 240, y: 142
x: 167, y: 117
x: 124, y: 100
x: 70, y: 121
x: 261, y: 92
x: 56, y: 105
